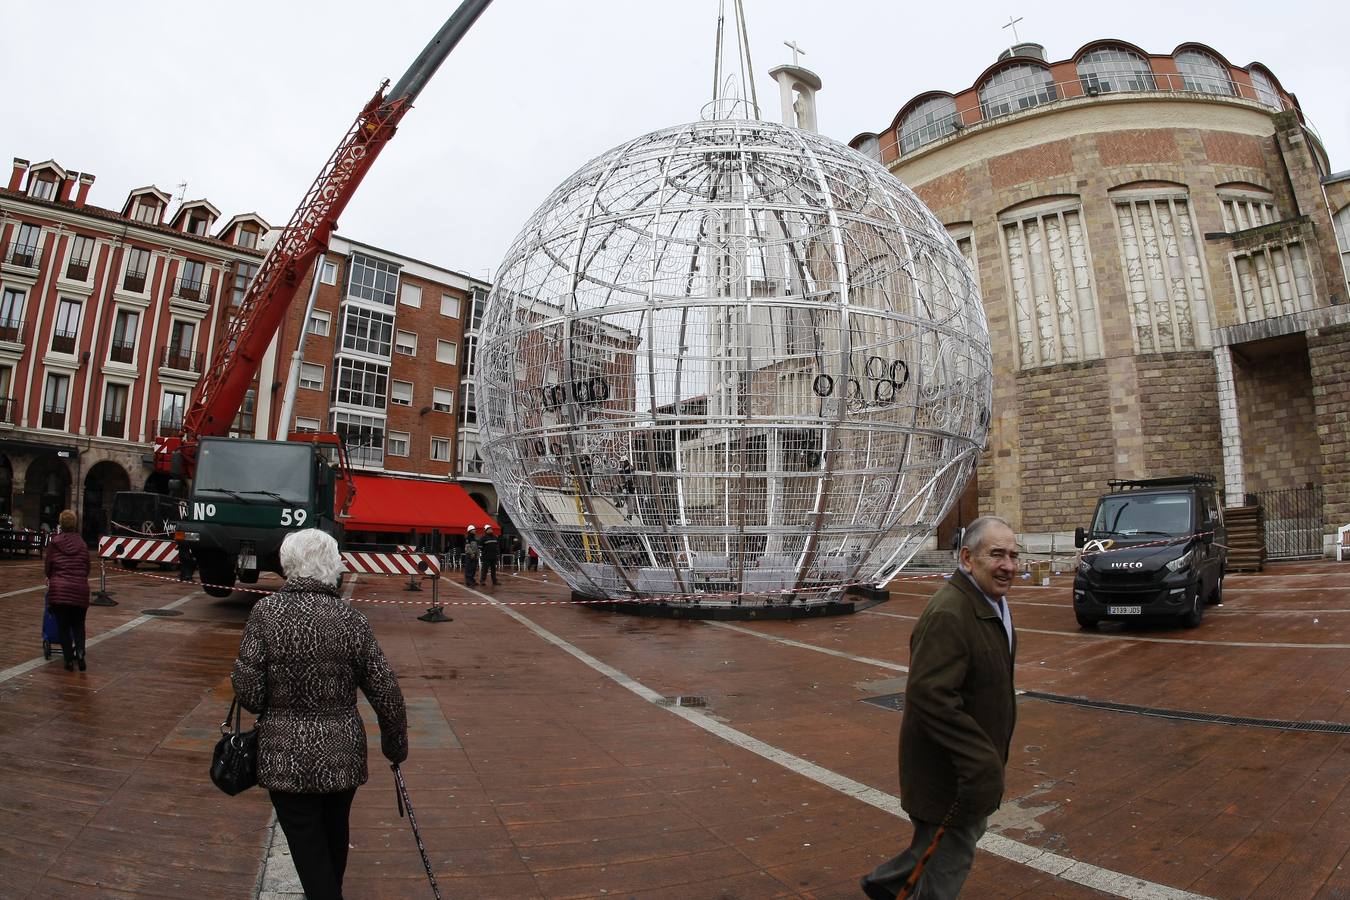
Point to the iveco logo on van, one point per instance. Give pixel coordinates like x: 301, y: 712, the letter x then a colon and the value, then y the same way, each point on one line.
x: 1126, y: 565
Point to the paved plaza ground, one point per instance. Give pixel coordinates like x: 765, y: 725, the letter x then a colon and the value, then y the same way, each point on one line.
x: 552, y: 758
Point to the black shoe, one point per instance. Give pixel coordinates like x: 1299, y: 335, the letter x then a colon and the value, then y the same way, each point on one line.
x: 81, y: 662
x: 70, y: 665
x: 875, y: 891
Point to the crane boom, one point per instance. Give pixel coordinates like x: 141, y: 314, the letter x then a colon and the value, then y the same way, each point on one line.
x: 236, y: 359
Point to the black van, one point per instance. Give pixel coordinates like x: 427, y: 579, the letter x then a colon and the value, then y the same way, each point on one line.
x: 1156, y: 550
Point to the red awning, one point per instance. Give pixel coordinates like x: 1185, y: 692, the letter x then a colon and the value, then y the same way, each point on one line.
x: 386, y: 503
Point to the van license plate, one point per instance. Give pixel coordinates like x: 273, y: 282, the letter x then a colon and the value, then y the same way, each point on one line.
x: 1124, y: 610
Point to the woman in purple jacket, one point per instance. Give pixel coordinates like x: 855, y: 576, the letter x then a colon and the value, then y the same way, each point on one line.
x: 67, y: 569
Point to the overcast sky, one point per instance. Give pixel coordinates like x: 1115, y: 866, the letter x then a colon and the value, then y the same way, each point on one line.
x: 244, y: 101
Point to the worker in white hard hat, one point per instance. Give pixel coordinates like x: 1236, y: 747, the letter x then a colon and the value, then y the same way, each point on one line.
x: 470, y: 557
x: 490, y: 548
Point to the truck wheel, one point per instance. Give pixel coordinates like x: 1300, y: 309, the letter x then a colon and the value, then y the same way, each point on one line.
x: 1216, y: 596
x: 249, y: 576
x: 1087, y: 623
x: 130, y: 564
x: 217, y: 574
x: 1192, y: 619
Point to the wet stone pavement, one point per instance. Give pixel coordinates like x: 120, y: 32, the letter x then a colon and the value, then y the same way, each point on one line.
x: 550, y: 757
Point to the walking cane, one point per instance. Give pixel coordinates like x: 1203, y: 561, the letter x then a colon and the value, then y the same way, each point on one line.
x: 913, y: 880
x: 405, y: 802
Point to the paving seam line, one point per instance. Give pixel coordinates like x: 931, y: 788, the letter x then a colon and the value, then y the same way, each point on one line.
x: 1117, y: 884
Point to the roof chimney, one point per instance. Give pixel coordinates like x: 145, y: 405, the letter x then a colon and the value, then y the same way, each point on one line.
x: 66, y: 184
x: 86, y: 181
x: 16, y: 179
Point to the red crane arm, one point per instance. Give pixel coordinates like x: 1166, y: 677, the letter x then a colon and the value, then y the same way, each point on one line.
x: 237, y: 357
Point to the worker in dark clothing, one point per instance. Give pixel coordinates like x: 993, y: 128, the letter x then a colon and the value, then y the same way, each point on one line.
x: 470, y: 557
x: 489, y: 548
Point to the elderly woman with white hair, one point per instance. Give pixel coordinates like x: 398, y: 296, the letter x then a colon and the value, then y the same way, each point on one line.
x: 303, y: 655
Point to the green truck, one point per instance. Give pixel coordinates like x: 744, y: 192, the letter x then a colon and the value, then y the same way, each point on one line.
x: 247, y: 495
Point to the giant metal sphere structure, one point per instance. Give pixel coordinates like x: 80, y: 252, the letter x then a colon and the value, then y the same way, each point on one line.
x: 731, y: 361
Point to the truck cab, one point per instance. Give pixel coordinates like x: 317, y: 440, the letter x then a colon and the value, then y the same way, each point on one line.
x: 1155, y: 550
x: 245, y: 497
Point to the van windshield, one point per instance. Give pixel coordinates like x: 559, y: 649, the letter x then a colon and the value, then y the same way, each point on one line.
x: 1127, y: 514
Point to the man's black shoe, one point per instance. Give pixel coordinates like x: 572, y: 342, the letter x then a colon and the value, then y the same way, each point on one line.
x: 875, y: 891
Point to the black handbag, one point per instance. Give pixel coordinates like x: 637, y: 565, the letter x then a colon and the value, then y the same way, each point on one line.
x: 234, y: 762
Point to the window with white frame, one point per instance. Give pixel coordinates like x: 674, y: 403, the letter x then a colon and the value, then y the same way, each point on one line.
x: 114, y: 410
x: 398, y: 443
x: 1054, y: 307
x: 1015, y: 87
x: 54, y: 397
x: 1266, y: 94
x: 308, y: 426
x: 67, y: 326
x: 172, y: 405
x: 367, y: 331
x: 442, y: 399
x: 42, y: 186
x: 81, y: 255
x: 1342, y: 222
x: 122, y: 348
x: 148, y: 211
x: 328, y: 273
x: 405, y: 342
x: 401, y: 393
x: 478, y: 298
x: 11, y: 313
x: 372, y: 279
x: 319, y: 322
x: 410, y: 295
x: 363, y: 437
x: 440, y: 449
x: 447, y: 352
x: 137, y: 267
x: 470, y: 353
x: 361, y: 383
x: 1202, y: 72
x: 1163, y: 259
x: 1114, y: 69
x: 244, y: 420
x: 243, y: 277
x: 311, y: 376
x: 450, y: 306
x: 468, y: 405
x: 246, y: 237
x: 932, y: 119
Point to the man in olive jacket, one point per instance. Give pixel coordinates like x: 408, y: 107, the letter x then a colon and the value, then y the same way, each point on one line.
x: 959, y: 717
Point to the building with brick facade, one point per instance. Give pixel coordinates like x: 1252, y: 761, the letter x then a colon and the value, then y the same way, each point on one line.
x: 109, y: 316
x: 1155, y: 238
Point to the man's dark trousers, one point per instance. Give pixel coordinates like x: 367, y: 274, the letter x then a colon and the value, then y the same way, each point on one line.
x: 945, y: 871
x: 316, y: 829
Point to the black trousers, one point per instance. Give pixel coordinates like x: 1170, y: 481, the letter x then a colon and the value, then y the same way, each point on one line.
x: 315, y: 826
x: 70, y: 629
x: 489, y: 564
x: 945, y: 872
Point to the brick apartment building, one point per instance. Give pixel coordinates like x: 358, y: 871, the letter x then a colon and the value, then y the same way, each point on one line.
x: 1156, y: 241
x: 109, y: 316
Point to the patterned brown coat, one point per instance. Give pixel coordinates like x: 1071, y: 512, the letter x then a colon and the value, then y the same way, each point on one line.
x: 303, y: 655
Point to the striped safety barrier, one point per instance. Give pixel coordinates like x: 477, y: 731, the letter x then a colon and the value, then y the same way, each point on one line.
x: 402, y: 562
x: 135, y: 549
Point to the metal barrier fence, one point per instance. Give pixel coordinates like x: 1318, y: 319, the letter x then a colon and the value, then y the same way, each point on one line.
x: 1293, y: 521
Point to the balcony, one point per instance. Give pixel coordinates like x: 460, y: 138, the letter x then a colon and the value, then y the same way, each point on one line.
x: 195, y: 291
x: 24, y: 256
x: 78, y: 269
x: 63, y: 341
x: 168, y: 428
x: 54, y: 418
x: 134, y: 282
x: 122, y: 351
x: 7, y: 410
x: 180, y: 360
x: 11, y: 330
x: 114, y: 427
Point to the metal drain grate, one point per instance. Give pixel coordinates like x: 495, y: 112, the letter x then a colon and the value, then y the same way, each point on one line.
x: 887, y: 701
x: 166, y: 613
x: 1187, y: 716
x: 682, y: 700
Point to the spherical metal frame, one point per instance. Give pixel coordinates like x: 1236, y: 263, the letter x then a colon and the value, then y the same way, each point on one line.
x: 731, y: 362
